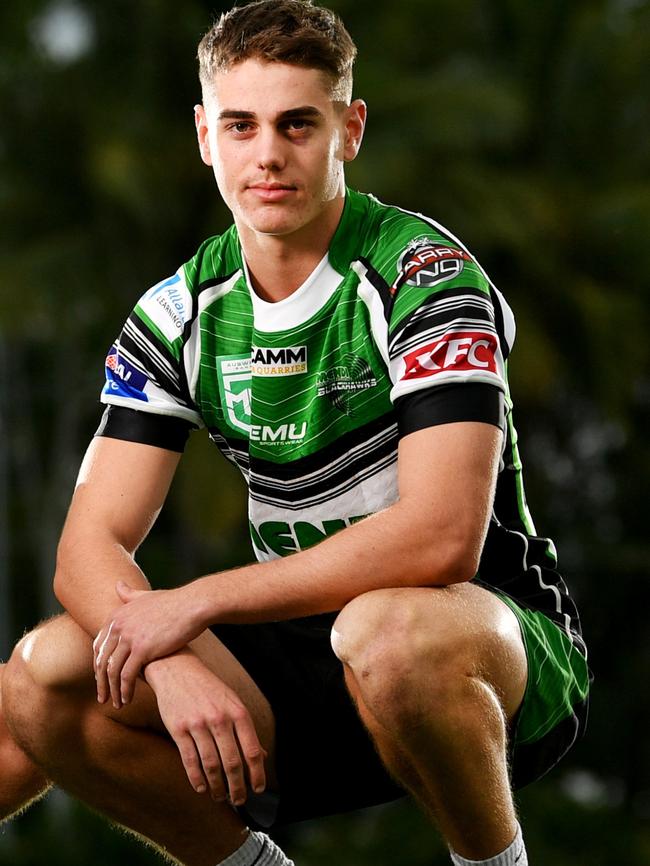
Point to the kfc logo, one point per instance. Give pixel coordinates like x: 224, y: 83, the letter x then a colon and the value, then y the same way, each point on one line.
x: 459, y: 351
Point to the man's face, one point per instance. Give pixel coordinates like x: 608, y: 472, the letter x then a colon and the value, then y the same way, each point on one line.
x: 277, y: 144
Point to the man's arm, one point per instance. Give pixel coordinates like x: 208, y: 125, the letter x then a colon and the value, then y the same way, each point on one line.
x: 432, y: 536
x: 120, y: 490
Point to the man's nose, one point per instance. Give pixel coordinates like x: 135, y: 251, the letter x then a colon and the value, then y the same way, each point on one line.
x: 271, y: 150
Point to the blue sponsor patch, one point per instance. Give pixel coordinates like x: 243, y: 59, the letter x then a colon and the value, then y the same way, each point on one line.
x: 164, y: 285
x: 122, y: 378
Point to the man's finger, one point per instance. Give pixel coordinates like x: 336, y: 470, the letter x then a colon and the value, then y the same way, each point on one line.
x: 97, y: 643
x: 231, y: 763
x: 253, y: 753
x: 114, y: 665
x: 101, y: 662
x: 191, y: 762
x: 125, y: 592
x: 129, y: 675
x: 210, y: 762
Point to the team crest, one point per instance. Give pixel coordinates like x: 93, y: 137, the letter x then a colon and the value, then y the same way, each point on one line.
x: 234, y: 376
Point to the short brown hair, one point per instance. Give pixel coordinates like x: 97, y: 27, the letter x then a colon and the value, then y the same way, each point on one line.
x: 281, y: 31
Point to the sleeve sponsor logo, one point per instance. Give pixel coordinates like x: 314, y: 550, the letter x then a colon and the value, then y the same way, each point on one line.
x: 278, y: 361
x: 460, y: 351
x: 168, y: 304
x: 122, y: 378
x: 426, y: 263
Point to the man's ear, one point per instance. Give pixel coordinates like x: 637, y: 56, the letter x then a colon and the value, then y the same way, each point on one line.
x: 355, y: 123
x: 201, y: 123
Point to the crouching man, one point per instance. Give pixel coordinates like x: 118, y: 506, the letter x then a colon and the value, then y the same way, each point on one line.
x: 404, y: 630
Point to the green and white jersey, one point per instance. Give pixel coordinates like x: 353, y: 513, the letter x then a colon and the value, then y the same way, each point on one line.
x: 397, y: 328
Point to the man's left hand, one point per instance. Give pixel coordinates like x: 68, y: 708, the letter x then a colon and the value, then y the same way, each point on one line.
x: 150, y: 625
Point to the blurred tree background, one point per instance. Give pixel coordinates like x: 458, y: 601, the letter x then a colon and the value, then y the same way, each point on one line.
x: 525, y: 128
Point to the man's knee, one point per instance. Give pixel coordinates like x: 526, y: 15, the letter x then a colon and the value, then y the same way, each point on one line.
x: 412, y: 650
x: 20, y: 780
x: 381, y: 637
x: 57, y: 654
x: 48, y: 672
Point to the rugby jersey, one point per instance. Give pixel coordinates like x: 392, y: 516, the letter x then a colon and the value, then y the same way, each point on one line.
x: 396, y: 329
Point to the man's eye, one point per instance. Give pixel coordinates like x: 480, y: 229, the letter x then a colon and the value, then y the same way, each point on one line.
x: 298, y: 125
x: 241, y: 126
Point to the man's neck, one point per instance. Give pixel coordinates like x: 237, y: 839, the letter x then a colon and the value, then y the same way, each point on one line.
x: 280, y: 264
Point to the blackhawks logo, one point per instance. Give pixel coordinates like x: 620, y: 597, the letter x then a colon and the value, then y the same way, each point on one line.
x: 340, y: 384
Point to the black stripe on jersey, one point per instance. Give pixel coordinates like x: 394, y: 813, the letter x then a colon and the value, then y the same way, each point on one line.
x: 129, y: 425
x: 290, y: 470
x: 426, y: 335
x: 438, y: 310
x: 425, y: 330
x: 287, y: 500
x: 313, y: 479
x: 341, y: 476
x: 189, y: 324
x: 506, y: 498
x: 446, y: 404
x: 234, y: 450
x: 158, y: 371
x: 360, y: 457
x: 214, y: 281
x: 383, y: 289
x: 496, y: 303
x: 498, y: 323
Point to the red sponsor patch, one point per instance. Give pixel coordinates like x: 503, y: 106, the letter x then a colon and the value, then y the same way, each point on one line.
x: 458, y: 351
x: 111, y: 361
x: 426, y: 264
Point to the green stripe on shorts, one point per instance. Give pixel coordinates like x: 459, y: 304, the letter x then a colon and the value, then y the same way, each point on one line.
x: 558, y: 676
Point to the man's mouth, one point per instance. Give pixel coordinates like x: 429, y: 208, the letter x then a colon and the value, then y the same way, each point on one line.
x: 271, y: 191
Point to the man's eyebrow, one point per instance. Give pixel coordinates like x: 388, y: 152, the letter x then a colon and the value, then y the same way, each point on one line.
x: 301, y: 111
x: 231, y: 114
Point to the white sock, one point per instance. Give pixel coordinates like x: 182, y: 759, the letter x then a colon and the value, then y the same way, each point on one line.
x: 258, y: 850
x: 514, y: 855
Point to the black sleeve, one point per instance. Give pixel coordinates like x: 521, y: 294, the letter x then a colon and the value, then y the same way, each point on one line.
x: 468, y: 401
x: 163, y: 431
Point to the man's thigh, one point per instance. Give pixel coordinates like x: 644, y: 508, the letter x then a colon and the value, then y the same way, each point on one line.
x: 59, y: 657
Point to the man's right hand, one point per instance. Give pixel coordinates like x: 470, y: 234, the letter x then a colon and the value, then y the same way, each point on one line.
x: 213, y: 730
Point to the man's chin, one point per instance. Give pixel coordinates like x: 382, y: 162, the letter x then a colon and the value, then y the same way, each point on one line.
x: 276, y: 226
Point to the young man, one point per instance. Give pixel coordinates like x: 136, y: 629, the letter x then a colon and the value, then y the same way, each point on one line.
x: 350, y: 358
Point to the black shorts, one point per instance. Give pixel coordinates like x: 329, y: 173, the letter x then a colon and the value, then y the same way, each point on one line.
x: 325, y: 760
